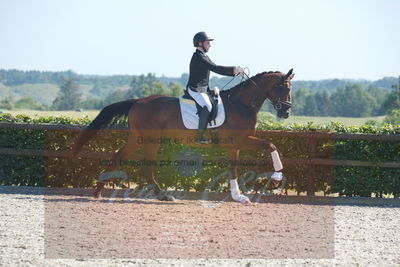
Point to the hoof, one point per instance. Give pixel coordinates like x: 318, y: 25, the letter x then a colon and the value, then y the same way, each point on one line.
x: 245, y: 200
x: 166, y: 198
x: 241, y: 198
x: 276, y: 183
x: 248, y: 203
x: 96, y: 194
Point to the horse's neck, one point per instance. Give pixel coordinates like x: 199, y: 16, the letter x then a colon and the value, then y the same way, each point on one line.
x: 248, y: 95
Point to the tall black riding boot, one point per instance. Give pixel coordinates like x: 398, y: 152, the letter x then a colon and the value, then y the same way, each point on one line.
x: 203, y: 120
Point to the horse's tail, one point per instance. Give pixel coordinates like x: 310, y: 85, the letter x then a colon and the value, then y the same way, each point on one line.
x: 105, y: 117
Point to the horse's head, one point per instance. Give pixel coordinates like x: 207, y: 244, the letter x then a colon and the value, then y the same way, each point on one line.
x: 280, y: 95
x: 255, y: 90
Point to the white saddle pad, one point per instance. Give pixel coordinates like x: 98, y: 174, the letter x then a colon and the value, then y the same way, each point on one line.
x: 191, y: 119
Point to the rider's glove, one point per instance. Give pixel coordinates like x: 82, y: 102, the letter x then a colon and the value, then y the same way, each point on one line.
x: 238, y: 71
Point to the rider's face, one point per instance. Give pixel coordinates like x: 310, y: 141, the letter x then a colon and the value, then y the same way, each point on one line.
x: 206, y: 45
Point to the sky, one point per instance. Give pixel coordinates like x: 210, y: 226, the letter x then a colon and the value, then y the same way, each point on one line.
x: 320, y: 39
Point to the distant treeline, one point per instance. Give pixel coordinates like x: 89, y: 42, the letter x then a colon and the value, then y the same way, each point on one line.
x: 19, y: 77
x: 353, y: 100
x: 47, y: 90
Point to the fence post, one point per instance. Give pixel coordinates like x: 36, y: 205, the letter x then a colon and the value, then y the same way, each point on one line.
x: 312, y: 153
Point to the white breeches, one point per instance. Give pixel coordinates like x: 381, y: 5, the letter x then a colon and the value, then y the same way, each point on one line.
x: 201, y: 98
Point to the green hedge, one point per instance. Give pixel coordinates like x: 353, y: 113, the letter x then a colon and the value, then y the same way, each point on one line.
x: 63, y: 172
x: 346, y: 181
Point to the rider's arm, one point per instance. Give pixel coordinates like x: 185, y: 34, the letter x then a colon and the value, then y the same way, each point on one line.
x: 208, y: 64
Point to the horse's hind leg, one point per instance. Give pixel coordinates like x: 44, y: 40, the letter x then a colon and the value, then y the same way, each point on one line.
x: 235, y: 192
x: 122, y: 154
x: 151, y: 151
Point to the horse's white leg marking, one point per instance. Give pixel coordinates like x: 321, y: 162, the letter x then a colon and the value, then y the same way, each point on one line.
x: 277, y: 175
x: 235, y: 192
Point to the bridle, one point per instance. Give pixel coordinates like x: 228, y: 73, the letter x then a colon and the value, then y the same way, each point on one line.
x: 278, y: 104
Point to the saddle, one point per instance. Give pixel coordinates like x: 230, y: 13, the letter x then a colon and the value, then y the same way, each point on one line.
x: 190, y: 111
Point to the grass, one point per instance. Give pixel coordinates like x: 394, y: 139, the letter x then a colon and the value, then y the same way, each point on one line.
x: 266, y: 116
x: 327, y: 120
x: 292, y: 119
x: 69, y: 113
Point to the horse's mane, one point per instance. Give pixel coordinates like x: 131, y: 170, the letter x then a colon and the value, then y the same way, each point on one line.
x: 240, y: 85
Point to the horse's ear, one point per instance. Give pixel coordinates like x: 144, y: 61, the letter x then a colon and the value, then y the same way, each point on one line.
x: 290, y: 75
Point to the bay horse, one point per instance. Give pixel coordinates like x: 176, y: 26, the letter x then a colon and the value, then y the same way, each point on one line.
x: 159, y: 116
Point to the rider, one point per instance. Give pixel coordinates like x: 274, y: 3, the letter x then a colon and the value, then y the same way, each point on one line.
x: 197, y: 87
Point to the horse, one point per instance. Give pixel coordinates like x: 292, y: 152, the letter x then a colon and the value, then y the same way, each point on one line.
x: 158, y: 116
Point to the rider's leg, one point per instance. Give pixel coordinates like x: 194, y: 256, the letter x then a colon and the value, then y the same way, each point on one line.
x: 203, y: 120
x: 203, y: 100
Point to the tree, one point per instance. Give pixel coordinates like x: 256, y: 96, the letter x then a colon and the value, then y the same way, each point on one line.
x: 323, y: 103
x: 380, y: 96
x: 117, y: 95
x: 92, y: 103
x: 101, y: 90
x: 159, y: 88
x: 393, y: 117
x: 393, y: 99
x: 142, y: 86
x: 299, y: 100
x: 6, y: 104
x: 141, y: 80
x: 310, y: 107
x: 353, y: 101
x: 69, y: 95
x: 29, y: 103
x: 176, y: 89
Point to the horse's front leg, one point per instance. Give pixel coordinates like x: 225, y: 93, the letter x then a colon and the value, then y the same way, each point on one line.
x: 252, y: 142
x: 235, y: 192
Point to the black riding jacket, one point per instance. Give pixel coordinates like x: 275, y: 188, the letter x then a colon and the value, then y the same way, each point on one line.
x: 200, y: 67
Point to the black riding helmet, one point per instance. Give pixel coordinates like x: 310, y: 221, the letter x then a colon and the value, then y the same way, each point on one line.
x: 201, y: 37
